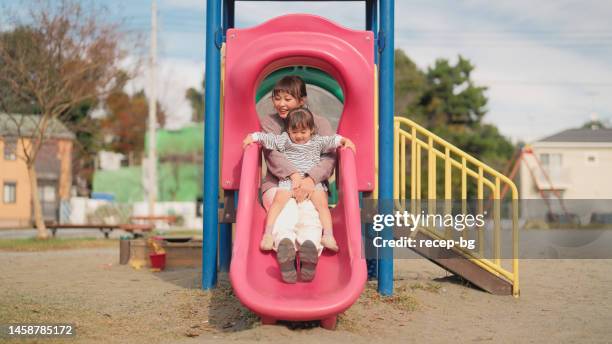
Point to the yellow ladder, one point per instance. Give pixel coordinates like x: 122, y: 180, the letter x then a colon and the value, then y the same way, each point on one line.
x: 446, y: 158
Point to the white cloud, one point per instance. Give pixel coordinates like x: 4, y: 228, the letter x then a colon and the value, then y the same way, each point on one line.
x: 569, y: 15
x: 185, y: 4
x: 535, y: 87
x: 349, y: 14
x: 174, y: 77
x: 537, y: 84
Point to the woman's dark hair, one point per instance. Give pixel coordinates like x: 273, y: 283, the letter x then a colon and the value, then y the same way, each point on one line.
x: 300, y: 118
x: 292, y: 84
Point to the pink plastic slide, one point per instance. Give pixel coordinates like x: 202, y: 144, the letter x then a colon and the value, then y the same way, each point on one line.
x: 250, y: 55
x: 255, y: 275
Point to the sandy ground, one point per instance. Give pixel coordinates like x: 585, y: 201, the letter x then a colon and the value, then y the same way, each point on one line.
x: 562, y: 301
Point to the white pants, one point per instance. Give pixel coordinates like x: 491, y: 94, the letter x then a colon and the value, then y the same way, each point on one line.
x: 296, y: 222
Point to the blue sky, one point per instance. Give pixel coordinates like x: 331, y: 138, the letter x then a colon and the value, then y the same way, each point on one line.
x: 547, y: 64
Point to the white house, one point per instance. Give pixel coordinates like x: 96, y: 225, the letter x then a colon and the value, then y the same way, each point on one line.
x: 575, y: 164
x: 578, y: 163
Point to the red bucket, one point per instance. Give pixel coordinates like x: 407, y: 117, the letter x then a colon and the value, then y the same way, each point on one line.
x: 158, y: 261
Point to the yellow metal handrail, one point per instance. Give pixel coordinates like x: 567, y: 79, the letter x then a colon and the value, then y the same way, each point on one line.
x: 423, y: 141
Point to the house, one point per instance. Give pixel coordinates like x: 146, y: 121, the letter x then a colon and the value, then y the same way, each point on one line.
x: 53, y: 169
x: 566, y: 177
x: 575, y: 163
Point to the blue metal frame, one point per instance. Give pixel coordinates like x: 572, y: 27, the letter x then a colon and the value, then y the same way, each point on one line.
x: 385, y: 164
x: 229, y: 7
x: 372, y: 25
x: 211, y: 145
x: 225, y: 246
x: 225, y: 229
x: 372, y: 17
x: 220, y: 15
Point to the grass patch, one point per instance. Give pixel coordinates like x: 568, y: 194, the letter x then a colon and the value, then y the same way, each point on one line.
x: 179, y: 233
x: 430, y: 287
x: 402, y: 298
x: 35, y: 245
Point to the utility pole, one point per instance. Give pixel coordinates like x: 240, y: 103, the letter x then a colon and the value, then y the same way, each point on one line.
x: 152, y: 147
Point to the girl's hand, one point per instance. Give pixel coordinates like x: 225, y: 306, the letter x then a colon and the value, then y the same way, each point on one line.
x: 305, y: 190
x: 346, y: 143
x: 247, y: 141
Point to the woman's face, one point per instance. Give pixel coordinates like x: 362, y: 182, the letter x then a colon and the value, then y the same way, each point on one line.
x: 284, y: 102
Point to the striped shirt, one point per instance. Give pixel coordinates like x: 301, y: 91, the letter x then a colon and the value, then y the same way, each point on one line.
x: 302, y: 156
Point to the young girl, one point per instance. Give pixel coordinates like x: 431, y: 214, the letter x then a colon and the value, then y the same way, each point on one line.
x: 298, y: 229
x: 303, y: 148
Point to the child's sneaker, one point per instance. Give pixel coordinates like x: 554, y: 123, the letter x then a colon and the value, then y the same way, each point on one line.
x: 309, y: 256
x: 285, y: 255
x: 267, y: 242
x: 329, y: 243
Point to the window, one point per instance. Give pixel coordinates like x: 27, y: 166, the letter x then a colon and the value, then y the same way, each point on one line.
x: 10, y: 149
x: 591, y: 158
x: 46, y: 193
x: 9, y: 192
x: 551, y: 163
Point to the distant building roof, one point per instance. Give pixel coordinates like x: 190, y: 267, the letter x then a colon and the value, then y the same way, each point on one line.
x: 581, y: 135
x: 13, y: 124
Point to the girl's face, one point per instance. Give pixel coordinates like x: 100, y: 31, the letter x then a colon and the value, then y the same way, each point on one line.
x: 300, y: 135
x: 284, y: 102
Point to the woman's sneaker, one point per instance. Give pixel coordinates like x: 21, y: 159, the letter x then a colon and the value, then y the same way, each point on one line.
x: 285, y: 255
x: 309, y: 257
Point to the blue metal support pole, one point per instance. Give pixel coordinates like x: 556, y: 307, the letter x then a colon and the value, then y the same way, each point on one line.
x: 225, y: 229
x: 228, y: 14
x: 372, y: 16
x: 225, y: 246
x: 370, y: 234
x: 211, y: 144
x: 385, y: 177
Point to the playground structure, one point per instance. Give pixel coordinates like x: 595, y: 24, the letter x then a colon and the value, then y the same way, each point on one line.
x: 543, y: 184
x: 239, y: 62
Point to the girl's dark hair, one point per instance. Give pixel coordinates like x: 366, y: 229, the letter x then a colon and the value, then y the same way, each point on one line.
x: 292, y: 84
x: 300, y: 118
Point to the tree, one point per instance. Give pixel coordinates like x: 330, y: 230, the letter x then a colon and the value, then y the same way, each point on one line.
x: 126, y: 123
x: 87, y: 144
x: 62, y: 56
x: 451, y: 96
x: 594, y: 124
x: 410, y: 84
x: 447, y: 101
x: 196, y: 99
x: 10, y: 101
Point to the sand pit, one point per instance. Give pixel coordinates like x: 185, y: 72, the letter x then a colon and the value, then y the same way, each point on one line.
x: 562, y: 301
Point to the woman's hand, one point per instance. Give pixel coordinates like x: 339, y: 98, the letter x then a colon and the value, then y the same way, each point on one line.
x: 305, y: 189
x: 296, y: 180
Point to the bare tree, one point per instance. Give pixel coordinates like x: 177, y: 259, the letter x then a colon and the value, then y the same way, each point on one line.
x: 62, y: 55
